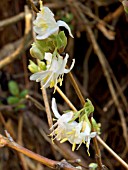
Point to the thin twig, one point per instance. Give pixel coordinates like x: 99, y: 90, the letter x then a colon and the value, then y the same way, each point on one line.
x: 65, y: 98
x: 77, y: 89
x: 125, y: 165
x: 9, y: 59
x: 21, y: 156
x: 12, y: 20
x: 37, y: 104
x: 33, y: 6
x: 47, y: 107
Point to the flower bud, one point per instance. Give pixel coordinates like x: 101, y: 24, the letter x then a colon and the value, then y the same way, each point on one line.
x: 42, y: 65
x: 35, y: 52
x: 33, y: 67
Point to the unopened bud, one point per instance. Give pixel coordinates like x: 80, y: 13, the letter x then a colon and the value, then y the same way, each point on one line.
x: 32, y: 67
x: 42, y: 65
x: 35, y: 52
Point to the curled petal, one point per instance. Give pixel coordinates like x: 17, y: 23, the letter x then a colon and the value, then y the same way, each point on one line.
x: 93, y: 134
x: 72, y: 65
x: 54, y: 109
x: 63, y: 24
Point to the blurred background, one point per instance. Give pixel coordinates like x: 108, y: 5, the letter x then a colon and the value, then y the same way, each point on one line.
x: 100, y: 48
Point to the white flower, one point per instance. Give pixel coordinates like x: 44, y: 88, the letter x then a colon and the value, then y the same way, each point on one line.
x: 61, y: 126
x: 54, y: 72
x: 78, y: 136
x: 46, y: 25
x: 87, y: 135
x: 71, y: 131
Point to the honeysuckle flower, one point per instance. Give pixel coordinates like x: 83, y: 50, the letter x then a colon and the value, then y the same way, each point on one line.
x: 54, y: 72
x: 46, y: 25
x: 61, y: 126
x: 65, y: 130
x: 78, y: 136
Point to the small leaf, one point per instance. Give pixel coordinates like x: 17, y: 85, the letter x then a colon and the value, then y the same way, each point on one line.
x: 23, y: 93
x: 20, y: 106
x: 13, y: 88
x: 89, y: 108
x: 13, y: 100
x: 61, y: 40
x: 47, y: 45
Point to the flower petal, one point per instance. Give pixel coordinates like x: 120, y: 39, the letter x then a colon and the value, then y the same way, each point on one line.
x: 63, y: 24
x: 54, y: 109
x: 48, y: 57
x: 72, y: 65
x: 92, y: 134
x: 47, y: 81
x: 47, y: 33
x: 38, y: 76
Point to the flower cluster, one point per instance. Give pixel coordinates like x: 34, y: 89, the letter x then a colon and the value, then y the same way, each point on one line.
x: 54, y: 72
x: 50, y: 69
x: 67, y: 129
x: 47, y: 47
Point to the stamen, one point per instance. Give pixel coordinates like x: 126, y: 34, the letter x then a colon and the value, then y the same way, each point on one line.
x: 73, y: 146
x: 63, y: 140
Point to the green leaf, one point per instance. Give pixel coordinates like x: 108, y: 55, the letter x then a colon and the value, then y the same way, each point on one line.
x: 97, y: 126
x: 20, y: 106
x: 47, y: 45
x: 23, y: 93
x: 13, y: 88
x: 61, y: 40
x: 88, y: 108
x: 13, y: 100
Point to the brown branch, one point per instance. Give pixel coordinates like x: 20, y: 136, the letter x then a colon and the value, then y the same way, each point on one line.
x: 114, y: 15
x: 12, y: 20
x: 30, y: 2
x: 45, y: 161
x: 20, y: 49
